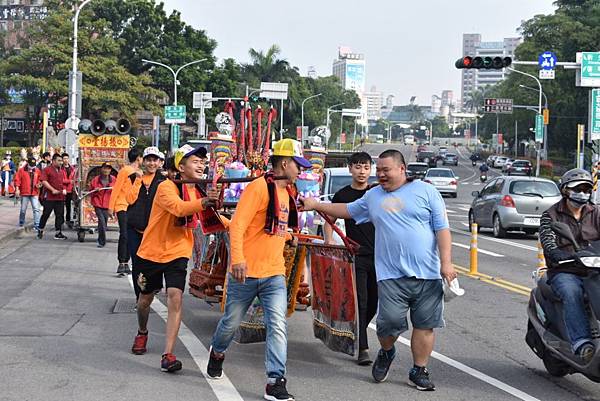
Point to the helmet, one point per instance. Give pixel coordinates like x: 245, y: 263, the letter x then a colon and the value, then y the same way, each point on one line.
x: 574, y: 177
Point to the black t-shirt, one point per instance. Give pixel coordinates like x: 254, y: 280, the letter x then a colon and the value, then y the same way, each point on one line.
x: 364, y: 234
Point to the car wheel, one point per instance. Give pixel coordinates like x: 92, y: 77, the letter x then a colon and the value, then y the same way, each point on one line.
x: 499, y: 231
x: 472, y: 220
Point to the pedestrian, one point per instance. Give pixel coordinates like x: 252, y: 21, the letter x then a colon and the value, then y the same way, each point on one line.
x: 412, y: 254
x: 27, y: 186
x: 258, y: 232
x: 140, y: 198
x: 118, y: 205
x: 7, y: 172
x: 359, y: 166
x: 70, y: 174
x: 166, y: 248
x: 101, y: 186
x: 45, y: 161
x: 54, y: 183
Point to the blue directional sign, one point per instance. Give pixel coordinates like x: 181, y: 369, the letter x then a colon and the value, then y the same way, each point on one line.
x: 547, y: 61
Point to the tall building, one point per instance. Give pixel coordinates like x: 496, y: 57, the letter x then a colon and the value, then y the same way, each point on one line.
x: 374, y: 102
x: 312, y: 72
x: 473, y: 79
x: 350, y: 69
x: 15, y: 15
x: 436, y: 103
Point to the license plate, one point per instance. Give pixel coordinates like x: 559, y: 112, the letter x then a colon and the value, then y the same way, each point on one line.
x: 532, y: 221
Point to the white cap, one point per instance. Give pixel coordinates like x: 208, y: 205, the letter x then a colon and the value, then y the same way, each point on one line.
x: 153, y: 151
x: 452, y: 290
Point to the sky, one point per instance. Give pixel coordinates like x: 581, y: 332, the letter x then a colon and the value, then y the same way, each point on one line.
x: 410, y: 46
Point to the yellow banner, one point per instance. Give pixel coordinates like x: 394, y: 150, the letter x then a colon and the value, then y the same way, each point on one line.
x: 104, y: 141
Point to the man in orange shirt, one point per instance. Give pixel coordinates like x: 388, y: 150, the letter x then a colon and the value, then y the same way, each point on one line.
x: 166, y: 248
x: 118, y: 204
x: 258, y: 232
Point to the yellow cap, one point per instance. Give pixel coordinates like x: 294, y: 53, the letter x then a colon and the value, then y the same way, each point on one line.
x: 291, y: 148
x: 186, y: 151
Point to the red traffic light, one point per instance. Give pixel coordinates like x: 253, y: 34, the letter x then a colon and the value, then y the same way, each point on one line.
x: 490, y: 63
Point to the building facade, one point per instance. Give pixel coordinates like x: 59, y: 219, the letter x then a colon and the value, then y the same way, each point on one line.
x: 15, y: 15
x: 474, y: 79
x: 374, y: 103
x: 350, y: 69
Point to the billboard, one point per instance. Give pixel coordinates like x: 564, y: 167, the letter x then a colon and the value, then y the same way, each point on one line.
x: 355, y: 75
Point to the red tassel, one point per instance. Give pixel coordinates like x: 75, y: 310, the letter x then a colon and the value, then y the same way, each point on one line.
x: 250, y: 139
x: 242, y: 144
x: 259, y: 116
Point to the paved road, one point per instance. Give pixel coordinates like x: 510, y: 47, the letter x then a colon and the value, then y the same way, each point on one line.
x: 62, y: 340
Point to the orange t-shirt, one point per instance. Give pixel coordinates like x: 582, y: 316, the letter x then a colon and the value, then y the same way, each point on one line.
x: 118, y: 197
x: 262, y: 252
x: 163, y: 241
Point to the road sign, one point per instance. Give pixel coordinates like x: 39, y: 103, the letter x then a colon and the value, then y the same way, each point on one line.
x: 547, y: 61
x: 274, y: 90
x: 504, y: 106
x: 202, y: 99
x: 547, y: 74
x: 175, y: 114
x: 174, y: 136
x: 351, y: 112
x: 589, y: 73
x: 594, y: 122
x: 539, y: 128
x: 546, y: 116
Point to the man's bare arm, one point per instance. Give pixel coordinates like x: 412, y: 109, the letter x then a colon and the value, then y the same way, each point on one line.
x: 338, y: 210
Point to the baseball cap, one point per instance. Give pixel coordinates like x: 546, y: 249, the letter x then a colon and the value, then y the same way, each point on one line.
x: 161, y: 155
x: 187, y: 151
x: 105, y: 164
x: 152, y: 151
x: 291, y: 148
x: 573, y: 184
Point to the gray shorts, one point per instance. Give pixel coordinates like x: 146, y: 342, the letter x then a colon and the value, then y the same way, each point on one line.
x: 424, y: 299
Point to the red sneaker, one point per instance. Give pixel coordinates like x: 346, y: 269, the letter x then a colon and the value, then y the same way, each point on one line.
x: 169, y: 363
x: 139, y: 344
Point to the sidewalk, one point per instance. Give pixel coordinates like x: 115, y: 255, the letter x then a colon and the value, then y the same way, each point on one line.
x: 9, y: 223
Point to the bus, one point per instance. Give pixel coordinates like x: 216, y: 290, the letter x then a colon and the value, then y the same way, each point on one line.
x: 409, y: 139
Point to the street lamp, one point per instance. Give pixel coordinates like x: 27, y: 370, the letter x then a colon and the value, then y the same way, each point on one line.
x: 545, y: 126
x: 302, y: 107
x: 175, y: 73
x: 330, y: 110
x: 73, y: 94
x: 537, y: 167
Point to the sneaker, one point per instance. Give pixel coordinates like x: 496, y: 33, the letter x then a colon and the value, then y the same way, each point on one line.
x: 121, y: 269
x: 169, y: 363
x: 215, y: 365
x: 363, y: 358
x: 382, y: 366
x: 419, y: 377
x: 139, y: 344
x: 127, y: 269
x: 586, y: 352
x: 100, y: 245
x: 40, y: 234
x: 277, y: 391
x: 60, y: 235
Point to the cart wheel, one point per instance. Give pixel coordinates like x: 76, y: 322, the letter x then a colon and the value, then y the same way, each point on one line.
x: 80, y: 236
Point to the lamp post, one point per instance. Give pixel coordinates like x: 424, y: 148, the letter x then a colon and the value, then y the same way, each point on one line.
x: 175, y: 73
x: 302, y: 107
x: 545, y: 126
x: 330, y: 111
x: 537, y: 167
x: 73, y: 94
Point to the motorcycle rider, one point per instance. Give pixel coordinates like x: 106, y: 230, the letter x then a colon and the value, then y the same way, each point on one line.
x: 483, y: 169
x: 474, y: 157
x: 583, y: 218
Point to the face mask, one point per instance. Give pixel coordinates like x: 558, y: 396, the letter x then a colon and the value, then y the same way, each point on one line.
x: 579, y: 198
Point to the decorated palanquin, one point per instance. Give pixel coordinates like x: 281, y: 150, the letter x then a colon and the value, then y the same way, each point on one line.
x: 317, y: 275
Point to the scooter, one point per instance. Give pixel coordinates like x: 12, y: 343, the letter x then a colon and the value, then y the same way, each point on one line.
x: 473, y: 163
x: 483, y: 177
x: 546, y: 331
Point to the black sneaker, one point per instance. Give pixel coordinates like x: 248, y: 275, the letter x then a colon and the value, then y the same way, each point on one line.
x: 363, y: 358
x: 215, y: 365
x: 60, y: 235
x: 121, y: 269
x: 40, y: 234
x: 419, y: 377
x: 277, y: 391
x: 382, y: 366
x: 127, y: 268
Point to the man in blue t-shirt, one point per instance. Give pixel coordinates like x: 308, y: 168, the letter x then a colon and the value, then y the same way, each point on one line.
x: 412, y: 254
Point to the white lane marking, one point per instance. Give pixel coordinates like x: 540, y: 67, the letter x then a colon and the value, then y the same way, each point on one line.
x: 515, y: 392
x: 223, y: 388
x: 466, y: 209
x: 501, y: 241
x: 450, y: 211
x: 496, y: 255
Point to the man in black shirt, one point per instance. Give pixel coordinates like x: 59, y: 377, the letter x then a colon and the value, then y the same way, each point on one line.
x: 359, y: 165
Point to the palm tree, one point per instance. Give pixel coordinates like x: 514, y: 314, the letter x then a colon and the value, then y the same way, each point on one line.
x: 266, y: 67
x: 475, y: 98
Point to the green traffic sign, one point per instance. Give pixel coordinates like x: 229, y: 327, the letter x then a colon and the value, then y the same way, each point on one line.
x: 594, y: 122
x: 539, y: 128
x: 175, y: 114
x: 590, y: 65
x: 174, y: 137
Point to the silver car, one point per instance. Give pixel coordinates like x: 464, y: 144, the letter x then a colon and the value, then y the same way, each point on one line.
x: 500, y: 161
x: 513, y: 204
x: 443, y: 179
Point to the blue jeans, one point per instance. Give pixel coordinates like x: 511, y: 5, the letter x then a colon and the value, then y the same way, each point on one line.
x: 37, y: 211
x: 569, y: 288
x: 273, y: 297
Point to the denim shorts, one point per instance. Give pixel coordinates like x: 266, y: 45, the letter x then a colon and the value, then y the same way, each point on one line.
x: 424, y: 299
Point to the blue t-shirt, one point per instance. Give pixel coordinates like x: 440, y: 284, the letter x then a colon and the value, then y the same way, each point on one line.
x: 405, y: 221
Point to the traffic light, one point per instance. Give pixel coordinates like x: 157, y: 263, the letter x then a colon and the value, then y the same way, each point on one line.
x: 487, y: 63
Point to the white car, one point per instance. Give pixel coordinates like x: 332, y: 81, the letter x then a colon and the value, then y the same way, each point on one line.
x: 500, y: 161
x: 443, y: 179
x: 507, y: 165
